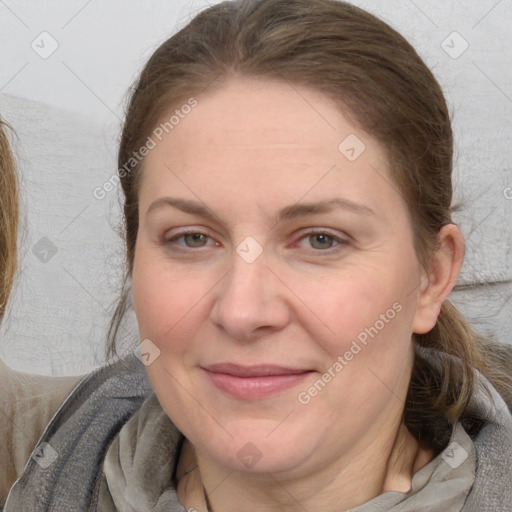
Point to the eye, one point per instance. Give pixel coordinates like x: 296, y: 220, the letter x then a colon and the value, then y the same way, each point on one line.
x: 321, y: 241
x: 195, y: 239
x: 191, y: 240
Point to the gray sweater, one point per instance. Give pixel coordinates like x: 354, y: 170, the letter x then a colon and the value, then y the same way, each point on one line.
x: 111, y: 448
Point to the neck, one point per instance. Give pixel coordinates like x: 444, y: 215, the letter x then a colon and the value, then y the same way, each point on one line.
x: 344, y: 483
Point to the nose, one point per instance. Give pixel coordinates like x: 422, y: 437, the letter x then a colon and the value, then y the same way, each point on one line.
x: 251, y: 301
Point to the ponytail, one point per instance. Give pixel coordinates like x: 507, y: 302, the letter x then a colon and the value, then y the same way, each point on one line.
x: 444, y: 379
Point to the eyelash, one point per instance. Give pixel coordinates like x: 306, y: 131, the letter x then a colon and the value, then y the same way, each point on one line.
x: 173, y: 239
x: 339, y: 242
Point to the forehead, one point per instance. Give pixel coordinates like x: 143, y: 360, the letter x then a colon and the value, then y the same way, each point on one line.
x: 271, y: 138
x: 251, y: 112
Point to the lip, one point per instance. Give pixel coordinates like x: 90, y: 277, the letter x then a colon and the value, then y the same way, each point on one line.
x: 254, y: 382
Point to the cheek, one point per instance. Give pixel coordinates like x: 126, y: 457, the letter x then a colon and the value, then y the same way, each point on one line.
x: 163, y: 299
x: 172, y: 304
x: 364, y: 332
x: 364, y: 304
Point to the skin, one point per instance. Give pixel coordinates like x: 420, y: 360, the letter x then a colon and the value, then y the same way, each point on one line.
x: 249, y: 149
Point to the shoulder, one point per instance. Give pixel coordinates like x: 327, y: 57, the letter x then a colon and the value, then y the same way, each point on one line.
x: 28, y: 402
x: 80, y: 433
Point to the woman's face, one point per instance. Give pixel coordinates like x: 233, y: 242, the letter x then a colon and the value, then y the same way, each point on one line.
x: 276, y: 278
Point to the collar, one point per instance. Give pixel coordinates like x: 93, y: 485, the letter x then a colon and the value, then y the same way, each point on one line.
x: 141, y: 463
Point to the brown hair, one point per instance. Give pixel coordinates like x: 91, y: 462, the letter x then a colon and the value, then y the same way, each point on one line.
x: 8, y: 218
x: 374, y: 73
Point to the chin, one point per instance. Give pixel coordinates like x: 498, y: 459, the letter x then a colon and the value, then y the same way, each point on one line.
x: 258, y: 449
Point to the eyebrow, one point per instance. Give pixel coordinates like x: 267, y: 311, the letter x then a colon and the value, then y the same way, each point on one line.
x: 286, y: 213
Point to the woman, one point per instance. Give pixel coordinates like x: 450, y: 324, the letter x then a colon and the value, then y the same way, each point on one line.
x: 286, y: 167
x: 8, y: 218
x: 28, y: 401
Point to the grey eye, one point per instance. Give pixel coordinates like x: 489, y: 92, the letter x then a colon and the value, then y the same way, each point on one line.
x: 195, y: 239
x: 321, y: 241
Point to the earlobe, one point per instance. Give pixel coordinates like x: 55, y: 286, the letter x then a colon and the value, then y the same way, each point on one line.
x: 440, y: 278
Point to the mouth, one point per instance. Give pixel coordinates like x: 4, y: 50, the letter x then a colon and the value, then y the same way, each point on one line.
x: 254, y: 382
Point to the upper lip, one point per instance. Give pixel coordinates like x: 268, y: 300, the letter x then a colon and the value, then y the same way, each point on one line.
x: 253, y: 371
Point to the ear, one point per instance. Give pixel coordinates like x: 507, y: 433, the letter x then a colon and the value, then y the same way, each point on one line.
x: 440, y: 278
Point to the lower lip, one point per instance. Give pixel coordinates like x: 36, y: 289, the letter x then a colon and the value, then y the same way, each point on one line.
x: 255, y: 388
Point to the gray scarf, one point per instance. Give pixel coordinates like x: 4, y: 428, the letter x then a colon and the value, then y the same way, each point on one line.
x: 117, y: 451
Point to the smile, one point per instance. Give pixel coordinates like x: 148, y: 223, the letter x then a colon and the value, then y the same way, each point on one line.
x: 254, y: 382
